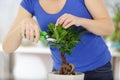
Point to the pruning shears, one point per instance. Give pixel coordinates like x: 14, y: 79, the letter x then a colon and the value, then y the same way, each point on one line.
x: 44, y: 36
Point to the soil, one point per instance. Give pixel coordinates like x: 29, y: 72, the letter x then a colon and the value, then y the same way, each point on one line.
x: 66, y: 68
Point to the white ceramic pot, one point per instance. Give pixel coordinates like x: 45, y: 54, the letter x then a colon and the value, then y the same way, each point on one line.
x: 53, y: 76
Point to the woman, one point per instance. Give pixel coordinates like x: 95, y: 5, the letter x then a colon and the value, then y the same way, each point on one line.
x: 93, y: 57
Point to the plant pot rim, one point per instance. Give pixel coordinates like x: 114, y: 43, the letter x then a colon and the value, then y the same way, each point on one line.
x: 56, y: 73
x: 53, y: 76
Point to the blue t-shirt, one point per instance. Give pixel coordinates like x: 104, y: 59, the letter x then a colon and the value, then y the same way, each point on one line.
x: 86, y: 56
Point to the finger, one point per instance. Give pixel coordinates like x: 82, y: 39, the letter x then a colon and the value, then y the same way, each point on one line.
x: 57, y: 22
x: 68, y: 25
x: 27, y: 32
x: 37, y: 34
x: 23, y: 32
x: 31, y: 34
x: 22, y: 25
x: 61, y: 19
x: 66, y: 22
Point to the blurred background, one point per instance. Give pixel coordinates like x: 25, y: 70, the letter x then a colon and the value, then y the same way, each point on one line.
x: 33, y: 62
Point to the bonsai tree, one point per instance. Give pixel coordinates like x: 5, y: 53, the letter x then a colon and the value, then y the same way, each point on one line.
x: 64, y: 40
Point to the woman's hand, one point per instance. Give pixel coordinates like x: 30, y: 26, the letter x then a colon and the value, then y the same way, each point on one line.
x: 29, y: 29
x: 67, y: 20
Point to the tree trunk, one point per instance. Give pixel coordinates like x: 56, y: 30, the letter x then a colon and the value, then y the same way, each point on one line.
x: 63, y: 58
x: 66, y: 68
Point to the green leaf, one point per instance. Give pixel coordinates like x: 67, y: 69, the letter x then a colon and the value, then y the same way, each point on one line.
x: 42, y: 38
x: 43, y: 33
x: 62, y: 35
x: 56, y: 34
x: 51, y: 26
x: 66, y: 38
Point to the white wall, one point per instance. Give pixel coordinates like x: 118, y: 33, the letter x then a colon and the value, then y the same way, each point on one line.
x: 8, y: 10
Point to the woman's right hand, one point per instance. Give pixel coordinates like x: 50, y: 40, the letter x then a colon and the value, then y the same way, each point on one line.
x: 29, y: 29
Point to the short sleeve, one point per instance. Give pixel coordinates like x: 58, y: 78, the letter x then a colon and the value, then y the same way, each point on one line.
x: 28, y: 5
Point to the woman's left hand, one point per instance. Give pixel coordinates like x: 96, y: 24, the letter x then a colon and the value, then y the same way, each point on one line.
x: 67, y: 20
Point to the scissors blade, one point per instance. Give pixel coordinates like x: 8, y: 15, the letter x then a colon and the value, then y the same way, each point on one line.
x: 50, y: 39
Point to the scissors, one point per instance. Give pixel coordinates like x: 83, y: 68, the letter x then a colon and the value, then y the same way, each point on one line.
x: 44, y: 36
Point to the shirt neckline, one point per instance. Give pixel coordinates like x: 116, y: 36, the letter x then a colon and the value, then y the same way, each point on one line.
x: 53, y: 13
